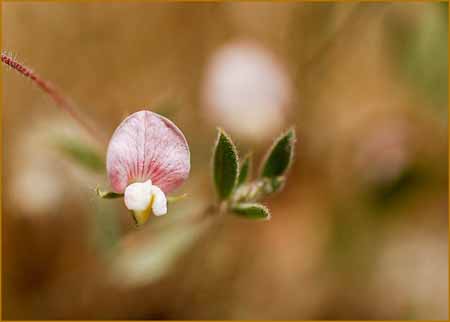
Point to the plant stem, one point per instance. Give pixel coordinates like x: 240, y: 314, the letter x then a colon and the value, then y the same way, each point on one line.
x: 61, y: 101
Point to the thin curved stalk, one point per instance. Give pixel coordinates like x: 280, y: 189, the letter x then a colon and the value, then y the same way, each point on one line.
x: 60, y: 100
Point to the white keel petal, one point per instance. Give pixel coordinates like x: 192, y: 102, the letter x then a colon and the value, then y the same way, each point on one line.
x: 159, y: 206
x: 138, y: 195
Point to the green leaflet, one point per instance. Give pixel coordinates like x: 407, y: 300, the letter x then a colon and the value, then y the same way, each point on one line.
x: 225, y: 165
x: 251, y: 211
x: 279, y: 156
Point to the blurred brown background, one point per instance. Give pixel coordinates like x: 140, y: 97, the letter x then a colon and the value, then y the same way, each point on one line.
x: 360, y: 230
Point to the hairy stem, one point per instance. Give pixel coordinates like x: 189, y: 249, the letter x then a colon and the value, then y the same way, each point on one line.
x: 61, y: 101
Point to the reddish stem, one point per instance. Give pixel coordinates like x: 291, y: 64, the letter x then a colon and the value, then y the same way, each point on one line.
x: 61, y: 101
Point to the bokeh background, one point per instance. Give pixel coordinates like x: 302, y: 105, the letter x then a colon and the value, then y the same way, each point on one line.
x: 360, y: 230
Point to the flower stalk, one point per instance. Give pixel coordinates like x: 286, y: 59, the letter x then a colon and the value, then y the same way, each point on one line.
x: 51, y: 90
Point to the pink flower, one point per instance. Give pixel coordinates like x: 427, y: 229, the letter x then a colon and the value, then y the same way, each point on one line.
x: 147, y: 157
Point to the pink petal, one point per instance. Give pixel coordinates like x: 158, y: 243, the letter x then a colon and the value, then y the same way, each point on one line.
x: 147, y: 146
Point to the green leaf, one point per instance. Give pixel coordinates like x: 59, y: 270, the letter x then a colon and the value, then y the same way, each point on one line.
x: 280, y: 155
x: 81, y: 153
x: 251, y: 211
x: 246, y: 166
x: 226, y: 165
x: 107, y: 194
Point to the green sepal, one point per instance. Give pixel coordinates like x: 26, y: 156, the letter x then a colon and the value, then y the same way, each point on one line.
x: 173, y: 199
x: 107, y: 194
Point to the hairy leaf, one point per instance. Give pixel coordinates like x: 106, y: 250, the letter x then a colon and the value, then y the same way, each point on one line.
x: 251, y: 211
x: 225, y: 165
x: 279, y: 156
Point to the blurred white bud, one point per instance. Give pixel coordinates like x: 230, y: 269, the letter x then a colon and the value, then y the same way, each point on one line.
x: 246, y: 91
x: 40, y: 178
x: 37, y: 190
